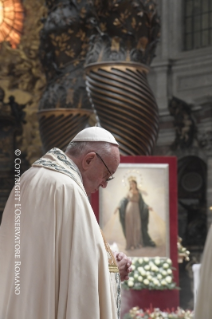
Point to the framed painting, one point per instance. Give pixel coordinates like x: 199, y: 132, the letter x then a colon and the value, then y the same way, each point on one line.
x: 138, y: 210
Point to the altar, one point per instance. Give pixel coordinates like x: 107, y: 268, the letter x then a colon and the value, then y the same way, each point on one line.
x: 145, y: 299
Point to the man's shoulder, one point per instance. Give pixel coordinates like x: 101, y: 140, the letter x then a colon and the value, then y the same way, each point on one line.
x: 45, y: 176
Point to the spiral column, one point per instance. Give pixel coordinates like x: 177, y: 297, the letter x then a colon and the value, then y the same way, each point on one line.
x: 124, y: 104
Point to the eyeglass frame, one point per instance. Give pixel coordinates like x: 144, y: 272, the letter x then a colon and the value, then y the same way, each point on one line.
x: 111, y: 175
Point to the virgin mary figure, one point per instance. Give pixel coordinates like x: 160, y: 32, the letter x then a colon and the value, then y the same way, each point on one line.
x: 134, y: 218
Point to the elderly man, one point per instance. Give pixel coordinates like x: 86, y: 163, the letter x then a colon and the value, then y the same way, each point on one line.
x: 54, y: 261
x: 203, y: 307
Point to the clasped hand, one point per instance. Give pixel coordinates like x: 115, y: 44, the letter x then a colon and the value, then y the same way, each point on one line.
x: 124, y: 264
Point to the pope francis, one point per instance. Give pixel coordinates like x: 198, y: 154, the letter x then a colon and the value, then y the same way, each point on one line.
x: 54, y: 261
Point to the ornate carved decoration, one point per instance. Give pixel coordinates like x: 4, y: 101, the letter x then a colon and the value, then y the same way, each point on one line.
x: 64, y: 42
x: 205, y: 140
x: 185, y: 128
x: 125, y: 31
x: 78, y: 32
x: 11, y: 21
x: 66, y: 90
x: 126, y: 36
x: 7, y: 134
x: 11, y: 121
x: 20, y: 70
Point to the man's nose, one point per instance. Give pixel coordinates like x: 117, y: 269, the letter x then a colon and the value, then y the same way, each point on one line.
x: 103, y: 184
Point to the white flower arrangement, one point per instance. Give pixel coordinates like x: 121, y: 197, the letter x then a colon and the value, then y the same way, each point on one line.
x: 155, y: 273
x: 183, y: 253
x: 136, y: 313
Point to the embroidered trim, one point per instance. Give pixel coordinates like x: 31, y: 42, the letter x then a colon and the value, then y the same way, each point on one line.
x: 48, y: 163
x: 111, y: 259
x: 113, y: 268
x: 63, y: 158
x: 118, y: 299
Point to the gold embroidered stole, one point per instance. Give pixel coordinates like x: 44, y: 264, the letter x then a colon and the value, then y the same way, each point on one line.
x: 111, y: 259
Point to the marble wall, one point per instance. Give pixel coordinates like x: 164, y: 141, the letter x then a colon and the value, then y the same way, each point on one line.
x: 186, y: 75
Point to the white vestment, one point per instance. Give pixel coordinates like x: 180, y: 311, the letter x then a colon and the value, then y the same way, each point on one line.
x: 203, y: 307
x: 64, y: 270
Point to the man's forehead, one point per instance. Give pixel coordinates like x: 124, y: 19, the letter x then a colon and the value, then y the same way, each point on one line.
x: 114, y: 161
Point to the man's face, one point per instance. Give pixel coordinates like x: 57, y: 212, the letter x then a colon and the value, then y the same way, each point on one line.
x: 97, y: 174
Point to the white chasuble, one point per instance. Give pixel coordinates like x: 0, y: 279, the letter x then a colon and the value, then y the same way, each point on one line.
x: 203, y: 307
x: 61, y: 269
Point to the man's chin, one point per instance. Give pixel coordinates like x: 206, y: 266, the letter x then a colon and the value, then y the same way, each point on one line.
x: 92, y: 191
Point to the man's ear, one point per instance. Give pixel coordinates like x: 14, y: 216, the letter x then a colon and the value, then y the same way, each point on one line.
x: 87, y: 160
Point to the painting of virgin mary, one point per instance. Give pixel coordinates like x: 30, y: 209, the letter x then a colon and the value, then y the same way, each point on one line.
x: 134, y: 216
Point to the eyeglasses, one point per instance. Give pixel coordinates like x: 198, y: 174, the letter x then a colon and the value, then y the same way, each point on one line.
x: 111, y: 177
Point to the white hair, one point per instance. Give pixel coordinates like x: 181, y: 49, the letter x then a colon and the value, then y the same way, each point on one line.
x: 78, y: 149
